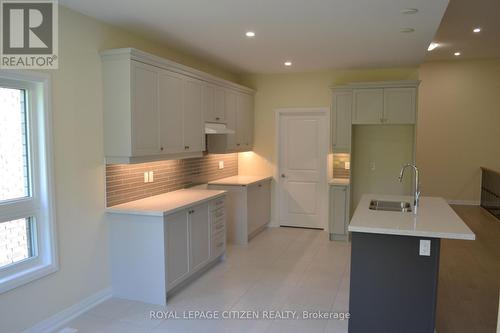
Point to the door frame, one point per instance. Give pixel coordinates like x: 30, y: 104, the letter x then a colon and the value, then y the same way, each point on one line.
x: 313, y: 111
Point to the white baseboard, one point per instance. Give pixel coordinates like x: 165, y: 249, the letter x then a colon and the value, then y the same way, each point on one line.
x: 464, y: 202
x: 59, y: 319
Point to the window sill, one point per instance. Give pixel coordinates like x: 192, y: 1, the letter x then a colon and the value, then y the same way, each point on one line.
x: 26, y: 276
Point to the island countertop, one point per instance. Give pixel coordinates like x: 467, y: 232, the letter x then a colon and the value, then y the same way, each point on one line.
x: 166, y: 203
x: 434, y: 219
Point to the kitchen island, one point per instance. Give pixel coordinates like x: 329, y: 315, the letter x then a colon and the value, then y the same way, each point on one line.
x: 395, y: 263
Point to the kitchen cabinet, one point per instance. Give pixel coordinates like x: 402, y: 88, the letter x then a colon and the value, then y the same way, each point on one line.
x: 155, y: 109
x: 239, y: 116
x: 399, y: 105
x: 389, y: 105
x: 153, y: 255
x: 248, y: 205
x: 368, y: 106
x: 213, y: 103
x: 177, y: 238
x: 339, y: 212
x: 341, y: 121
x: 200, y: 235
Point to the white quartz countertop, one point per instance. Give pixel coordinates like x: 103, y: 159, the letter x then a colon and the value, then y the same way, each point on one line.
x: 240, y: 180
x: 434, y: 219
x: 166, y: 203
x: 339, y: 181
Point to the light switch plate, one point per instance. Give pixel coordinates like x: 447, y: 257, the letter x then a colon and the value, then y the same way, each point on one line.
x: 146, y: 177
x: 425, y: 247
x: 151, y: 176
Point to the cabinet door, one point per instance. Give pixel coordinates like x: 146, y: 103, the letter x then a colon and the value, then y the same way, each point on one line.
x: 176, y: 247
x: 171, y: 113
x: 199, y: 235
x: 244, y: 122
x: 339, y: 210
x: 193, y: 116
x: 208, y: 103
x: 219, y: 111
x: 230, y: 107
x: 368, y: 106
x: 341, y: 121
x: 145, y: 115
x: 399, y: 105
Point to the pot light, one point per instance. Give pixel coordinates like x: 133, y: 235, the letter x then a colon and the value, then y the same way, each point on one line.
x: 432, y: 46
x: 250, y: 34
x: 409, y: 11
x: 456, y: 54
x: 288, y: 63
x: 476, y: 30
x: 407, y: 30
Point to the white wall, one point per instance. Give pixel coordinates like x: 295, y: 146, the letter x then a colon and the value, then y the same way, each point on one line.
x: 79, y: 171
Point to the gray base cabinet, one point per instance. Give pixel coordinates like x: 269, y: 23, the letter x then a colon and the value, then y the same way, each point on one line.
x: 393, y: 288
x: 339, y: 212
x: 152, y: 256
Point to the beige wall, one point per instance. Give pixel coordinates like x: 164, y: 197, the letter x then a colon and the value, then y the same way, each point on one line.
x: 297, y: 90
x: 458, y: 126
x: 79, y: 171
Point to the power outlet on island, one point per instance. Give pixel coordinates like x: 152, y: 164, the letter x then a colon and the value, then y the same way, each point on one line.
x: 221, y: 165
x: 425, y: 247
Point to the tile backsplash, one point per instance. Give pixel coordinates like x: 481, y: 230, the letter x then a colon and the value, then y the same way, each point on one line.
x: 125, y: 182
x: 339, y: 160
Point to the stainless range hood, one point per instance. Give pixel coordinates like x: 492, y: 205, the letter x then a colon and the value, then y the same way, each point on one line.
x: 213, y: 128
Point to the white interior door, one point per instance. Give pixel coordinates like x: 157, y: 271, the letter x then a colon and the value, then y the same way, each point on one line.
x: 303, y: 148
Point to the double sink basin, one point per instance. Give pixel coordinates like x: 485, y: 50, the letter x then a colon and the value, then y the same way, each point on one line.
x: 391, y: 206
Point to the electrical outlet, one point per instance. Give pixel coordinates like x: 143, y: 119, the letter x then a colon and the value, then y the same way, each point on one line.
x: 151, y: 176
x: 373, y: 166
x: 146, y: 177
x: 425, y: 247
x: 221, y: 165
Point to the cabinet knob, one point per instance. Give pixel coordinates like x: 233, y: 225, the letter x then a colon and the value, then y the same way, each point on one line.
x: 260, y: 185
x: 217, y: 118
x: 237, y: 144
x: 186, y: 147
x: 161, y: 148
x: 283, y: 175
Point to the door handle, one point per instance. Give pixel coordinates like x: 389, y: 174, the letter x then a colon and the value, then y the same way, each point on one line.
x: 283, y: 175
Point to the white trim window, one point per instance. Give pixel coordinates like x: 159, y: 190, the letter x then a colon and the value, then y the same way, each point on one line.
x: 27, y: 226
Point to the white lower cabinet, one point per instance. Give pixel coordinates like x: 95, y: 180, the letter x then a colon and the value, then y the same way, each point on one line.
x: 339, y: 212
x: 152, y: 255
x: 248, y: 209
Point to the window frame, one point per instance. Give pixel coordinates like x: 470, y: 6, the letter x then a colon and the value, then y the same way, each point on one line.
x: 40, y: 204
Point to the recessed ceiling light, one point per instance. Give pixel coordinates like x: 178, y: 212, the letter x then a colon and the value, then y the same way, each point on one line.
x: 456, y: 54
x: 476, y: 30
x: 409, y: 11
x: 288, y: 63
x: 432, y: 46
x: 250, y: 34
x: 407, y: 30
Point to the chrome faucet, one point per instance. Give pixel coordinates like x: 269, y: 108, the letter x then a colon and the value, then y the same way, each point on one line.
x: 417, y: 185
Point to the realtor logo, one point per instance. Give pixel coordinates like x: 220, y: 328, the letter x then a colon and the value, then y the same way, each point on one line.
x: 29, y: 38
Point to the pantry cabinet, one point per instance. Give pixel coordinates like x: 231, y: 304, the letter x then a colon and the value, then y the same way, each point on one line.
x: 155, y: 109
x: 341, y: 120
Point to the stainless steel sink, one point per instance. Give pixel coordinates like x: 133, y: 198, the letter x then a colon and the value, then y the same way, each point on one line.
x: 392, y: 206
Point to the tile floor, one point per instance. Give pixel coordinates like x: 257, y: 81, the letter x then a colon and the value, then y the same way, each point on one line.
x: 281, y: 269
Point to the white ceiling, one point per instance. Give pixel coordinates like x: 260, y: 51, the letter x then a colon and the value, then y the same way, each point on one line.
x: 455, y: 32
x: 313, y: 34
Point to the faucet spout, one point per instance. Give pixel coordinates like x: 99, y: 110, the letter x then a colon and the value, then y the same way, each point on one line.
x: 417, y: 184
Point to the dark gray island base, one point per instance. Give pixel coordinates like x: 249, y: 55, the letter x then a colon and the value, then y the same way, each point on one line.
x: 393, y: 288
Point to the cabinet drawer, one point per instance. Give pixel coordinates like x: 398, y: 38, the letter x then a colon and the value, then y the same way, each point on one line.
x: 218, y: 227
x: 217, y: 204
x: 218, y: 244
x: 218, y: 214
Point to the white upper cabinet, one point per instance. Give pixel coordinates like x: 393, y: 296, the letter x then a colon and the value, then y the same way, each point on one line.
x: 244, y: 121
x: 145, y: 113
x: 399, y: 105
x: 341, y: 121
x: 213, y: 103
x: 230, y: 106
x: 388, y: 105
x: 193, y: 116
x: 155, y: 109
x: 171, y: 112
x: 368, y: 106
